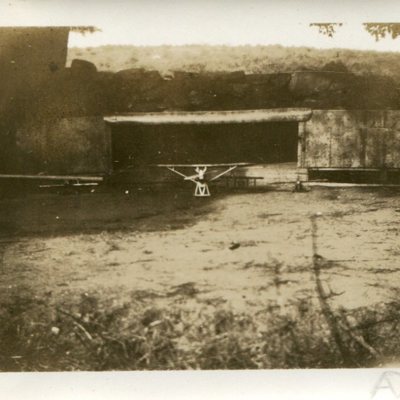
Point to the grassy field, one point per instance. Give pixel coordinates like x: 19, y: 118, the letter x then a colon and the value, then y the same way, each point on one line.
x: 106, y: 280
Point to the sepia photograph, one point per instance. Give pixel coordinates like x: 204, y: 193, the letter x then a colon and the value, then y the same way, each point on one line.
x: 198, y: 185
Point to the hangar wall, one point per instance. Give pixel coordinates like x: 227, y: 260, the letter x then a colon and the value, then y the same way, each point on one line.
x: 352, y: 139
x: 79, y: 145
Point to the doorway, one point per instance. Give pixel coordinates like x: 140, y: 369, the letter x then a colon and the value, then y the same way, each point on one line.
x: 138, y: 145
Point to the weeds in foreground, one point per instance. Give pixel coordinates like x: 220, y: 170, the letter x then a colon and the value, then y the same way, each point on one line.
x: 91, y: 334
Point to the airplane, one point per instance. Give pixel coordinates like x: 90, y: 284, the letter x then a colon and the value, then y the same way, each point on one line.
x: 199, y: 178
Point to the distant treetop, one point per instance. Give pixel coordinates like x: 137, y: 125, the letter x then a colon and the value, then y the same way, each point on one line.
x: 380, y: 30
x: 84, y: 29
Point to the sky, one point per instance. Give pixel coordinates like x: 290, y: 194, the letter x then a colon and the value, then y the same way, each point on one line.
x: 228, y: 22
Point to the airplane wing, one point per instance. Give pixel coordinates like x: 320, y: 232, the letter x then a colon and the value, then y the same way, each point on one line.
x: 222, y: 165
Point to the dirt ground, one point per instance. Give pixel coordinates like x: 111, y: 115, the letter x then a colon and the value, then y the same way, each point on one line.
x: 241, y: 249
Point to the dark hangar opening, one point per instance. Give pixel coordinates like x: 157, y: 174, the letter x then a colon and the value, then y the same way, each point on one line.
x: 256, y: 142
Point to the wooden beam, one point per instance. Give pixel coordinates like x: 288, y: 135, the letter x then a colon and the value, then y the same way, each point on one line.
x: 338, y: 184
x: 54, y: 177
x: 361, y: 169
x: 213, y: 117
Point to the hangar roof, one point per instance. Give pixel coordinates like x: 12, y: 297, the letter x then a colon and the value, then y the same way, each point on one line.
x: 213, y: 117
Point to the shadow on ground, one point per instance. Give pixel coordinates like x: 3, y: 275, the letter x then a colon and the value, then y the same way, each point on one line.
x: 27, y: 211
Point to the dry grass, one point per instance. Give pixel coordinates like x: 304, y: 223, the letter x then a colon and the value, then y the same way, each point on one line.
x: 94, y: 334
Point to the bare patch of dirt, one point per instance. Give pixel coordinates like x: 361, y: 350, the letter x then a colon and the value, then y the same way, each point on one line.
x: 161, y: 243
